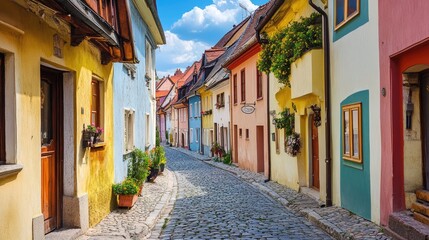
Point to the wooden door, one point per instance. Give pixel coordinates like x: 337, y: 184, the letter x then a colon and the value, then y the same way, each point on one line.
x: 424, y: 108
x: 315, y: 155
x: 260, y: 147
x: 50, y: 99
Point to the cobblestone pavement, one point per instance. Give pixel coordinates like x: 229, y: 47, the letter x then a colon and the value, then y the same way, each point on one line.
x: 338, y: 222
x: 214, y: 204
x: 135, y: 223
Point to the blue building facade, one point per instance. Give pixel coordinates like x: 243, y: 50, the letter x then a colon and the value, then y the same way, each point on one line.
x: 194, y: 123
x: 134, y: 90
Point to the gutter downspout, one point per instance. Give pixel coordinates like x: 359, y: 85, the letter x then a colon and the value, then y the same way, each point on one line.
x: 327, y: 66
x: 201, y: 126
x: 269, y: 128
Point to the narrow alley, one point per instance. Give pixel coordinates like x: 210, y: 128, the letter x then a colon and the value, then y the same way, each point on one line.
x: 213, y: 204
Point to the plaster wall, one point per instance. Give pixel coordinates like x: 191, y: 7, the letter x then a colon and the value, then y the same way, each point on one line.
x: 183, y: 127
x: 354, y: 68
x: 207, y: 103
x: 221, y: 116
x: 131, y: 93
x: 247, y: 148
x: 194, y: 123
x: 402, y: 26
x: 27, y: 45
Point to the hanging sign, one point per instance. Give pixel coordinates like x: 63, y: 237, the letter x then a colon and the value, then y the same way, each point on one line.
x: 248, y: 109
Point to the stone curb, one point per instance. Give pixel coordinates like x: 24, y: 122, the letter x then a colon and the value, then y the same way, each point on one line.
x: 165, y: 204
x: 308, y: 213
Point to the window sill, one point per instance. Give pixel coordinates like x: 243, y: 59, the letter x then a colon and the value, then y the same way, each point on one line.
x: 10, y: 169
x: 98, y: 145
x: 259, y: 98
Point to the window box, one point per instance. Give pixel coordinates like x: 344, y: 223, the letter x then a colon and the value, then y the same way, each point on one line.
x: 307, y: 75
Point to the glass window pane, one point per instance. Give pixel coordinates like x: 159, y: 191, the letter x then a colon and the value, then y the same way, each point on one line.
x: 46, y: 111
x: 339, y: 11
x: 352, y: 7
x: 355, y: 122
x: 346, y: 133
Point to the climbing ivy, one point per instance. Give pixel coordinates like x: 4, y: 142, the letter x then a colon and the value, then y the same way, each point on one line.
x: 289, y: 44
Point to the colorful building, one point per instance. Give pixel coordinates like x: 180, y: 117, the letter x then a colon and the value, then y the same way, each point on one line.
x: 163, y: 88
x: 57, y: 80
x: 134, y: 84
x: 404, y: 47
x: 355, y: 103
x: 250, y: 133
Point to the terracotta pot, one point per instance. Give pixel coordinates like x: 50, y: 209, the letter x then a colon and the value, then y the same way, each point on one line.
x: 127, y: 200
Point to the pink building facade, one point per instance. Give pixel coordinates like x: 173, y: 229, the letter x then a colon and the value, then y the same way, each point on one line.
x: 404, y: 59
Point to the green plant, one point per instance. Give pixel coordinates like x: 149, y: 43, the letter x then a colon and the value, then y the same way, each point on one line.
x: 160, y: 151
x: 127, y: 187
x: 157, y: 138
x: 155, y: 159
x: 166, y: 136
x: 288, y: 45
x: 286, y: 121
x: 138, y: 166
x: 227, y: 158
x: 293, y: 144
x: 171, y: 138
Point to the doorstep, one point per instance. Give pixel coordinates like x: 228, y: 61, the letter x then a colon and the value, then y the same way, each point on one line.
x: 64, y: 234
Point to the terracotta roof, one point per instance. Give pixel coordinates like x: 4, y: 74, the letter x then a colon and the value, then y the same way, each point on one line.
x: 187, y: 76
x: 225, y: 39
x: 161, y: 93
x: 177, y: 75
x: 214, y: 53
x: 248, y: 38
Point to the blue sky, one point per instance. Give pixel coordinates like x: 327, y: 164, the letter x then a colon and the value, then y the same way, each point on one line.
x: 191, y: 26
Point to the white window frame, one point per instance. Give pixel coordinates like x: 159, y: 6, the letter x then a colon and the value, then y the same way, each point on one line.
x: 190, y: 111
x: 129, y: 122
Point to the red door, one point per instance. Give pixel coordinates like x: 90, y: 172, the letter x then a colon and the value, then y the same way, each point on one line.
x: 315, y: 155
x: 260, y: 147
x: 50, y: 145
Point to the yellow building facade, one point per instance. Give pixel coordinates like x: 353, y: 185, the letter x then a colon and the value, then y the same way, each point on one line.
x: 35, y: 48
x: 305, y: 171
x: 207, y: 119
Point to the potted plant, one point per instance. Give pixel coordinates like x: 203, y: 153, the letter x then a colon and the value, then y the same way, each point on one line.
x: 127, y: 192
x: 89, y: 135
x: 162, y: 159
x: 154, y: 166
x: 214, y: 148
x: 138, y: 167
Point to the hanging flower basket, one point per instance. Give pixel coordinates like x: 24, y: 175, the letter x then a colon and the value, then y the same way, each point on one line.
x: 293, y: 144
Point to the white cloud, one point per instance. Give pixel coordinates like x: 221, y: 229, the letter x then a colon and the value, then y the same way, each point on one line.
x: 212, y: 15
x: 178, y: 53
x: 248, y: 5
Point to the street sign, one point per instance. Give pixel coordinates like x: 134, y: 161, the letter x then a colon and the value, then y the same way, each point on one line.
x: 247, y: 109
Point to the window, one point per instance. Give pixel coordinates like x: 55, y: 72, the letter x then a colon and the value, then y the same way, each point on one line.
x: 147, y: 136
x: 95, y: 103
x: 243, y: 85
x: 191, y: 136
x: 128, y: 130
x: 258, y: 84
x: 240, y: 132
x: 345, y: 10
x: 220, y: 100
x: 2, y: 112
x: 197, y: 139
x: 277, y: 140
x: 148, y: 62
x: 190, y: 110
x: 352, y: 132
x: 235, y: 88
x: 247, y: 134
x: 199, y: 108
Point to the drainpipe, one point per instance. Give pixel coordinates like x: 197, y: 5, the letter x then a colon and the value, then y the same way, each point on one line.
x: 327, y: 66
x: 201, y: 127
x: 178, y: 128
x: 269, y: 128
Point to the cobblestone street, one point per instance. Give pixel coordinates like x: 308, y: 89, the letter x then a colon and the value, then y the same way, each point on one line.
x: 214, y: 204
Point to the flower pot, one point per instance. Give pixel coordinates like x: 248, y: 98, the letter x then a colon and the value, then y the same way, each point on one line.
x: 127, y: 200
x: 161, y: 167
x: 153, y: 174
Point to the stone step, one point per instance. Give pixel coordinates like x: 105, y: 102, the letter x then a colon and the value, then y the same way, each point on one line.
x: 422, y: 195
x: 421, y: 218
x: 404, y: 225
x: 421, y: 208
